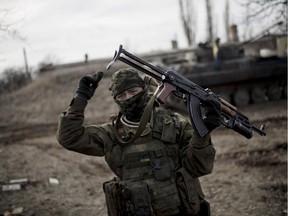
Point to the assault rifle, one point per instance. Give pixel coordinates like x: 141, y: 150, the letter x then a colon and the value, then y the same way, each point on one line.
x: 171, y: 81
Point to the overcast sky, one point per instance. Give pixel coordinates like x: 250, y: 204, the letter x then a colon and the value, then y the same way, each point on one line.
x: 67, y: 29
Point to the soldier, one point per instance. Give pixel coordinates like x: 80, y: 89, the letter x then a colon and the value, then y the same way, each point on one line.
x: 216, y: 54
x: 157, y: 173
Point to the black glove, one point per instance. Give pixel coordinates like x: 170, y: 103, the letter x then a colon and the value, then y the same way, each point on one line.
x: 212, y: 118
x: 88, y: 85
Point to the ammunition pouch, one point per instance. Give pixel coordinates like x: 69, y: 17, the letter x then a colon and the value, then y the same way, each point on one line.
x: 204, y: 209
x: 112, y: 190
x: 191, y: 193
x: 123, y: 200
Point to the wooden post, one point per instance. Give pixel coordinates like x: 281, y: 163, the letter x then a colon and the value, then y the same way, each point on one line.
x: 25, y: 60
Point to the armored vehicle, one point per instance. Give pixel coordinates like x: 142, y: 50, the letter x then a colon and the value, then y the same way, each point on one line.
x: 252, y: 72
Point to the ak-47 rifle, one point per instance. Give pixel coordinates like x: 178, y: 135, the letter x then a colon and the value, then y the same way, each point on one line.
x: 194, y: 96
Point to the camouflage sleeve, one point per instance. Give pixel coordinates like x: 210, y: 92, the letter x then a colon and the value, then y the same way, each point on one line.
x: 72, y: 135
x: 197, y: 153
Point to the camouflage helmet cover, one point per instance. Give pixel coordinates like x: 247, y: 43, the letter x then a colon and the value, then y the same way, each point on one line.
x: 124, y: 79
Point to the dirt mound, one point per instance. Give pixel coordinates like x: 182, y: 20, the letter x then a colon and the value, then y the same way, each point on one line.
x: 44, y: 99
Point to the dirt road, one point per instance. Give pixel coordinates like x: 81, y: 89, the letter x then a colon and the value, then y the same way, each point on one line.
x: 249, y: 177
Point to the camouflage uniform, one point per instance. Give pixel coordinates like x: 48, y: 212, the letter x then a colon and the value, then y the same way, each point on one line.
x: 157, y: 174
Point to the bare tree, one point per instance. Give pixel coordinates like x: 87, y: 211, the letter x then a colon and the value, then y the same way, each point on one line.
x: 227, y: 19
x: 248, y: 27
x: 13, y: 79
x: 188, y: 19
x: 8, y: 28
x: 209, y: 21
x: 266, y: 12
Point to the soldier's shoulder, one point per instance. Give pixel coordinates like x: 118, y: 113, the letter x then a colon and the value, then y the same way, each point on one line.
x: 107, y: 127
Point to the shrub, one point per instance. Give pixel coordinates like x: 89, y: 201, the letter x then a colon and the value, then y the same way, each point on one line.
x: 13, y: 79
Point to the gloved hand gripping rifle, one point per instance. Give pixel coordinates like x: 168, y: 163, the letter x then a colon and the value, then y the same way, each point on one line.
x: 193, y: 94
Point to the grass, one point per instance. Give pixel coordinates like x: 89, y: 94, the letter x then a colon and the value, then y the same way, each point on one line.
x: 44, y: 99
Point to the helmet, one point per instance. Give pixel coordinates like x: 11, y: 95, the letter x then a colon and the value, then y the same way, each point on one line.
x: 124, y: 79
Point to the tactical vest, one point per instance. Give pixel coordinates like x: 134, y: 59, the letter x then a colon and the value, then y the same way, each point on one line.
x: 147, y: 172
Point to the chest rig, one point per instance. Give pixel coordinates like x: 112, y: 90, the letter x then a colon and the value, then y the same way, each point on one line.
x: 146, y: 168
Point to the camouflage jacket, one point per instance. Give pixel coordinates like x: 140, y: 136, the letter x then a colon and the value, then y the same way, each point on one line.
x: 191, y: 153
x: 197, y: 154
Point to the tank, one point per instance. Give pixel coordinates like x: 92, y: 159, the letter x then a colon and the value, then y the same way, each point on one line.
x: 253, y: 72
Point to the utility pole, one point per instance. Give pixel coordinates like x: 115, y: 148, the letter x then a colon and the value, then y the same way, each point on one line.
x: 25, y: 60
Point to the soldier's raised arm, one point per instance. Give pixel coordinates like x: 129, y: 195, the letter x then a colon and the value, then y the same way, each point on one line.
x: 71, y: 133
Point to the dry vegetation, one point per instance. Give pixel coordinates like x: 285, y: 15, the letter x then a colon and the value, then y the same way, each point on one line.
x: 249, y: 177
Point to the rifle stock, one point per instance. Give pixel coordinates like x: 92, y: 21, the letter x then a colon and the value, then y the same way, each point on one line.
x: 170, y: 81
